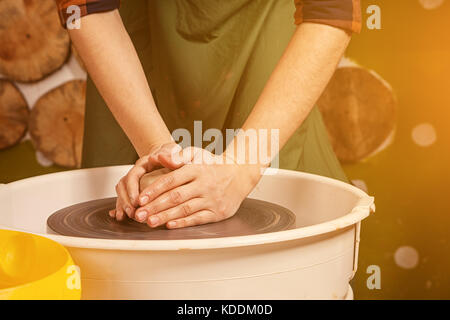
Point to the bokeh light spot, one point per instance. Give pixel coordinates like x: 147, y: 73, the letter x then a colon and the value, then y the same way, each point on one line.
x: 406, y: 257
x: 431, y: 4
x: 424, y: 135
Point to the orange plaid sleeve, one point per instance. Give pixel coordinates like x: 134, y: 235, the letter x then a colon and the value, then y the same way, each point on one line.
x: 344, y: 14
x: 86, y: 7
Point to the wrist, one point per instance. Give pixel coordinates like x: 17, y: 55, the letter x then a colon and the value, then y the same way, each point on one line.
x: 251, y: 172
x: 158, y: 145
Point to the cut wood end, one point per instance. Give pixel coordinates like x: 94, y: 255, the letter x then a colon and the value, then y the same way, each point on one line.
x: 359, y: 111
x: 14, y: 114
x: 57, y: 124
x: 33, y: 43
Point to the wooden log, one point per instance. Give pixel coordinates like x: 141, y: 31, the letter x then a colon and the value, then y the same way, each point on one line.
x: 14, y: 114
x: 359, y: 111
x: 32, y: 42
x: 57, y: 124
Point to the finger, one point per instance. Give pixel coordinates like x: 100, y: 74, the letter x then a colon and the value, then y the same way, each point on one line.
x: 112, y: 213
x: 176, y: 158
x: 131, y: 180
x: 119, y: 210
x: 166, y: 183
x: 132, y: 183
x: 181, y: 211
x: 168, y: 200
x: 123, y: 200
x: 196, y: 219
x: 149, y: 163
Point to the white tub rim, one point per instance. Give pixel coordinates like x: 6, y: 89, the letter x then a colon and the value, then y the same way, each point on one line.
x: 363, y: 208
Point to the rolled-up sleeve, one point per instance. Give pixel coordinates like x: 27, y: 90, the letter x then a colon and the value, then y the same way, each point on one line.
x: 86, y: 7
x: 344, y: 14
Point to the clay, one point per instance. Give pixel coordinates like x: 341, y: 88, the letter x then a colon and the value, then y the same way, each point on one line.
x: 91, y: 220
x: 151, y: 177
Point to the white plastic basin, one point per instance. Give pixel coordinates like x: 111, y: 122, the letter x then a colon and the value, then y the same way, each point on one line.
x: 312, y: 262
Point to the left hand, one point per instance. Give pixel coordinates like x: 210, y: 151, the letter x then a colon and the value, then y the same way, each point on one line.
x: 127, y: 188
x: 200, y: 190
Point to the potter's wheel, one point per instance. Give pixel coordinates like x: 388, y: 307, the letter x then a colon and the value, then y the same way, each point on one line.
x: 91, y: 220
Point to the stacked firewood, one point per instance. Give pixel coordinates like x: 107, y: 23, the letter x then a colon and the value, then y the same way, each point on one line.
x: 33, y: 46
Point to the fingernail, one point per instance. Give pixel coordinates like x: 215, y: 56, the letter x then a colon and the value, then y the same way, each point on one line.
x: 144, y: 200
x: 128, y: 211
x: 111, y: 213
x: 154, y: 220
x: 141, y: 215
x: 172, y: 224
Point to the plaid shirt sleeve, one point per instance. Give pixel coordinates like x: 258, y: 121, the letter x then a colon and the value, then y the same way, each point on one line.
x: 86, y: 7
x: 344, y: 14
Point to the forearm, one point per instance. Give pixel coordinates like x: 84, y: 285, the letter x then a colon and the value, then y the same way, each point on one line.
x: 113, y: 64
x: 298, y: 80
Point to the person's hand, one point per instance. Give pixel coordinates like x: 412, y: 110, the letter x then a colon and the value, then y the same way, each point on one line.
x: 128, y: 187
x: 200, y: 190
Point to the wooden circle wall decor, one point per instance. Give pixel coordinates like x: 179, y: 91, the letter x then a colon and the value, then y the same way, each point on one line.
x: 57, y: 123
x: 13, y: 114
x: 32, y: 42
x: 359, y: 111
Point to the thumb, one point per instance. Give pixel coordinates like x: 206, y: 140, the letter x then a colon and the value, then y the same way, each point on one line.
x: 176, y: 159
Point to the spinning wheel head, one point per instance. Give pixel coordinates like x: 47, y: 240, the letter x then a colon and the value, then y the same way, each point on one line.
x: 91, y: 220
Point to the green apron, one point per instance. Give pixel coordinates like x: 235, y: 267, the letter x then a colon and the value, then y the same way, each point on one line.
x: 207, y: 60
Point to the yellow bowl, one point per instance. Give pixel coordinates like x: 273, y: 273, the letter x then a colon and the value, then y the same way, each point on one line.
x: 34, y: 267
